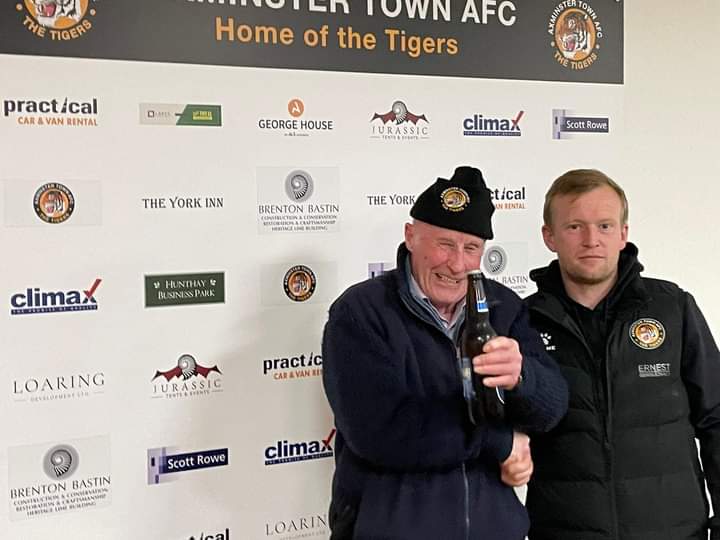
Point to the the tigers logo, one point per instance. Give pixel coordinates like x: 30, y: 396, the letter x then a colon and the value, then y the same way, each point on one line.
x: 53, y: 202
x: 299, y: 283
x: 62, y: 19
x: 576, y: 32
x: 454, y: 199
x: 647, y: 334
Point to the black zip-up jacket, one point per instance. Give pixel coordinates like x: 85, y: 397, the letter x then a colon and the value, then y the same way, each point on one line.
x: 408, y: 463
x: 623, y: 463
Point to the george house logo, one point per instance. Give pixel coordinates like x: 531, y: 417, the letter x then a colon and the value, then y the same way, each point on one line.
x: 173, y: 114
x: 187, y: 379
x: 290, y: 452
x: 399, y: 124
x: 576, y: 33
x: 34, y: 300
x: 481, y: 126
x: 293, y: 367
x: 296, y: 125
x: 162, y: 465
x: 52, y: 112
x: 60, y: 387
x: 60, y: 20
x: 53, y: 202
x: 567, y: 123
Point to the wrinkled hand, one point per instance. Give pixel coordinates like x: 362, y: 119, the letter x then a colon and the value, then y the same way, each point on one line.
x: 516, y: 470
x: 500, y: 362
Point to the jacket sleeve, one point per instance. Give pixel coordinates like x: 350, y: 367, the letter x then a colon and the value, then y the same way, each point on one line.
x: 701, y: 375
x: 385, y: 422
x: 541, y: 399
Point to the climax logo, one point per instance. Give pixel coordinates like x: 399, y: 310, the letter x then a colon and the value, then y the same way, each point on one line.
x: 61, y: 20
x: 34, y: 301
x: 480, y: 126
x: 287, y: 452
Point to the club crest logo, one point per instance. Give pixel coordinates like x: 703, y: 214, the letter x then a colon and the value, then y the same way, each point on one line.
x: 53, y: 202
x: 647, y: 334
x: 576, y: 33
x: 61, y: 20
x: 454, y: 199
x: 299, y: 283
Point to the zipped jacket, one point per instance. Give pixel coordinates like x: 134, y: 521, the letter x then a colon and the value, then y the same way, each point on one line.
x: 623, y: 464
x: 409, y: 464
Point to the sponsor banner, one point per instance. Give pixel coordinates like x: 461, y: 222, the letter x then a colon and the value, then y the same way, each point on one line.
x: 295, y: 200
x: 46, y: 203
x: 507, y: 263
x: 37, y: 300
x: 183, y: 202
x: 555, y: 40
x: 298, y: 526
x: 187, y: 379
x: 292, y: 451
x: 298, y: 283
x: 170, y: 114
x: 390, y: 199
x: 40, y: 388
x: 184, y: 289
x: 566, y: 124
x: 54, y: 478
x: 164, y: 463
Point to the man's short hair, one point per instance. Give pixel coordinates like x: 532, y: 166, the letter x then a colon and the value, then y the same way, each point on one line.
x: 577, y: 182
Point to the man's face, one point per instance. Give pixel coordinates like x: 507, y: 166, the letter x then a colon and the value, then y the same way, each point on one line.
x: 441, y: 259
x: 587, y: 234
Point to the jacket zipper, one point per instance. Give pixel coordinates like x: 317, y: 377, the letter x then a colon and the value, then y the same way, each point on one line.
x: 467, y: 502
x: 608, y: 433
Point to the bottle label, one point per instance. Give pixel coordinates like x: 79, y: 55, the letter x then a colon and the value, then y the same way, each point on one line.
x: 481, y: 305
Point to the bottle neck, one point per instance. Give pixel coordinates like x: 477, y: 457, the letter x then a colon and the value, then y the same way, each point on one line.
x: 476, y: 307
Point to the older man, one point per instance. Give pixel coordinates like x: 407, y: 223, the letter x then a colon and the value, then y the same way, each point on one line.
x: 409, y: 462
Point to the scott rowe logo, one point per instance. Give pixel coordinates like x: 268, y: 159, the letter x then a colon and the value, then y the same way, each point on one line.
x: 34, y: 300
x: 58, y: 20
x: 478, y: 125
x: 567, y: 123
x: 285, y: 451
x: 165, y: 462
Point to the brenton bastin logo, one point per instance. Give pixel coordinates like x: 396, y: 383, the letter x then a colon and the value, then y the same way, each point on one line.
x: 289, y: 452
x: 378, y: 269
x: 60, y: 20
x: 293, y: 367
x: 172, y: 114
x: 34, y: 300
x: 53, y: 202
x: 50, y: 479
x: 566, y: 123
x: 299, y: 186
x: 399, y: 124
x: 296, y: 125
x: 164, y: 463
x: 484, y: 126
x: 299, y: 283
x: 494, y: 260
x: 52, y: 112
x: 454, y: 199
x: 576, y: 33
x: 187, y: 379
x: 60, y: 462
x: 647, y: 333
x: 184, y: 289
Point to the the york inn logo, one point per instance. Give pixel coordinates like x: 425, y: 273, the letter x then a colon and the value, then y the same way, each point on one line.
x: 35, y: 300
x: 290, y: 452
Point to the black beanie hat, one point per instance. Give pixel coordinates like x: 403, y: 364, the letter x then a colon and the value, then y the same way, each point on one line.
x: 462, y: 203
